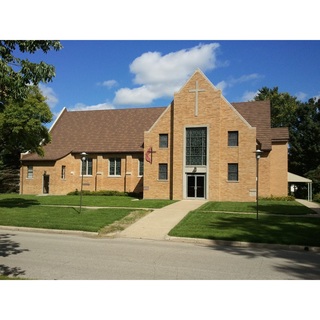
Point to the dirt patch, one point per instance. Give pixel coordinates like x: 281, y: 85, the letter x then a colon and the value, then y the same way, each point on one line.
x: 118, y: 226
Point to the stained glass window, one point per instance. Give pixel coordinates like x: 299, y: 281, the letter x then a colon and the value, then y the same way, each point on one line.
x: 196, y: 146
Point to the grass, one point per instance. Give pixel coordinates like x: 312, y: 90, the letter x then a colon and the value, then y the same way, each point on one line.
x: 9, y: 200
x: 276, y: 229
x: 3, y: 277
x: 265, y: 206
x: 61, y: 218
x: 49, y: 212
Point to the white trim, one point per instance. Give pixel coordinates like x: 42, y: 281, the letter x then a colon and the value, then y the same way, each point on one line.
x: 161, y: 115
x: 58, y: 117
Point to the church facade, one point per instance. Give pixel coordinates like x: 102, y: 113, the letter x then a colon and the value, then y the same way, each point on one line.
x: 199, y: 147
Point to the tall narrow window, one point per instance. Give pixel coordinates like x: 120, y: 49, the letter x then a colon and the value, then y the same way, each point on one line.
x: 163, y: 140
x: 196, y: 146
x: 140, y: 167
x: 233, y: 138
x: 63, y: 172
x: 30, y: 172
x: 163, y: 171
x: 233, y: 172
x: 115, y: 167
x: 87, y: 167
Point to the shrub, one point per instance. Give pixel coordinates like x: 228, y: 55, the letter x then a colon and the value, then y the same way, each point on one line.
x: 316, y: 197
x: 100, y: 193
x: 274, y: 198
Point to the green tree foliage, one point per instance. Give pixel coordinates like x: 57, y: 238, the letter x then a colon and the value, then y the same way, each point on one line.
x: 283, y: 106
x: 22, y: 124
x: 21, y: 129
x: 16, y: 73
x: 304, y: 152
x: 23, y: 109
x: 303, y: 121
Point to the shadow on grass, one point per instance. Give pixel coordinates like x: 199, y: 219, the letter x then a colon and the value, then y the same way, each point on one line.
x: 267, y: 229
x: 8, y: 247
x: 281, y: 209
x: 18, y: 202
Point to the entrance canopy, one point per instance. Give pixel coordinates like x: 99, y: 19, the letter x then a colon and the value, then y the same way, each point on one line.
x: 294, y: 178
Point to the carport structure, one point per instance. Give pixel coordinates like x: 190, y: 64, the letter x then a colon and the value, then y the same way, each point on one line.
x: 294, y: 178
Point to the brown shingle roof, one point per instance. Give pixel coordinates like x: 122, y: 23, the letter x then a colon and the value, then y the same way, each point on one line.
x: 280, y: 134
x: 98, y: 131
x: 122, y: 130
x: 257, y: 113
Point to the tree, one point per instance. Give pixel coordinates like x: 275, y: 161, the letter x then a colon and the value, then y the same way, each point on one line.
x: 283, y: 106
x: 303, y: 121
x: 17, y: 74
x: 22, y: 123
x: 21, y: 129
x: 23, y: 110
x: 304, y: 152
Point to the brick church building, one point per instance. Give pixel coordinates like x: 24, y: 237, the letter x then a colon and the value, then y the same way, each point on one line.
x: 200, y: 146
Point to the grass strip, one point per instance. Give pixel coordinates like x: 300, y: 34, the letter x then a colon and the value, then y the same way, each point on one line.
x: 239, y: 227
x: 13, y: 200
x: 265, y: 206
x: 61, y: 218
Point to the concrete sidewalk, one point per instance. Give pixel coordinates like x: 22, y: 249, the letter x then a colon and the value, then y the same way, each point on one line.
x: 158, y: 223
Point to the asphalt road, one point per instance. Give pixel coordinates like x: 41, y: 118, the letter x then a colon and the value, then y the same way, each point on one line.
x: 68, y: 257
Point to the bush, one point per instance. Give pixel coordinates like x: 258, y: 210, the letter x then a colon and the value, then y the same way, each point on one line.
x: 102, y: 193
x: 316, y: 197
x: 283, y: 198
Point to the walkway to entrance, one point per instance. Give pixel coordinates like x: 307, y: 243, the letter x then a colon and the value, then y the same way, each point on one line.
x: 158, y: 223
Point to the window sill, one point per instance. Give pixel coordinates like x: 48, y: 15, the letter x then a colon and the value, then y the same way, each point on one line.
x: 232, y: 181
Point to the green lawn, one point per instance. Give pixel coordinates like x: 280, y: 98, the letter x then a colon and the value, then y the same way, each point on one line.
x: 98, y: 201
x: 36, y: 211
x: 61, y: 218
x: 289, y: 230
x: 265, y: 206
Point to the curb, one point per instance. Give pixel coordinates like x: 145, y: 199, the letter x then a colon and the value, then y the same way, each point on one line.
x: 199, y: 241
x: 240, y: 244
x: 52, y: 231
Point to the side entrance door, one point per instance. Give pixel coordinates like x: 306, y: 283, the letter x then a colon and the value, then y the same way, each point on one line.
x: 46, y: 181
x: 196, y: 186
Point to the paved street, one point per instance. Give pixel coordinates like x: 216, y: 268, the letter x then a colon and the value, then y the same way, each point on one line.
x: 56, y: 256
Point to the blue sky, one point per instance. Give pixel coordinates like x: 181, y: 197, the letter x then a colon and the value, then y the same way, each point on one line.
x: 107, y: 74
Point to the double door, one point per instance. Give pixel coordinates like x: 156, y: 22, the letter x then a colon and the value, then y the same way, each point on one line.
x: 196, y: 186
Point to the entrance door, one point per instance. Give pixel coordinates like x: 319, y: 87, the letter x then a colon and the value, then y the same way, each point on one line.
x: 46, y: 179
x: 196, y: 186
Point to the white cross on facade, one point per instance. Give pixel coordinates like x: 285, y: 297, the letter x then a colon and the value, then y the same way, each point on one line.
x: 196, y: 90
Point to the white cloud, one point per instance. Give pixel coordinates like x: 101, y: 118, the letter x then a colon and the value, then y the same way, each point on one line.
x: 301, y: 96
x: 161, y: 75
x: 84, y: 107
x: 141, y: 95
x: 51, y: 96
x: 108, y: 83
x: 249, y: 95
x: 223, y: 85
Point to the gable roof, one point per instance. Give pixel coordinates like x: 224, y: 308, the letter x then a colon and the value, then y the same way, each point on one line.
x: 99, y: 131
x: 122, y: 130
x: 257, y: 113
